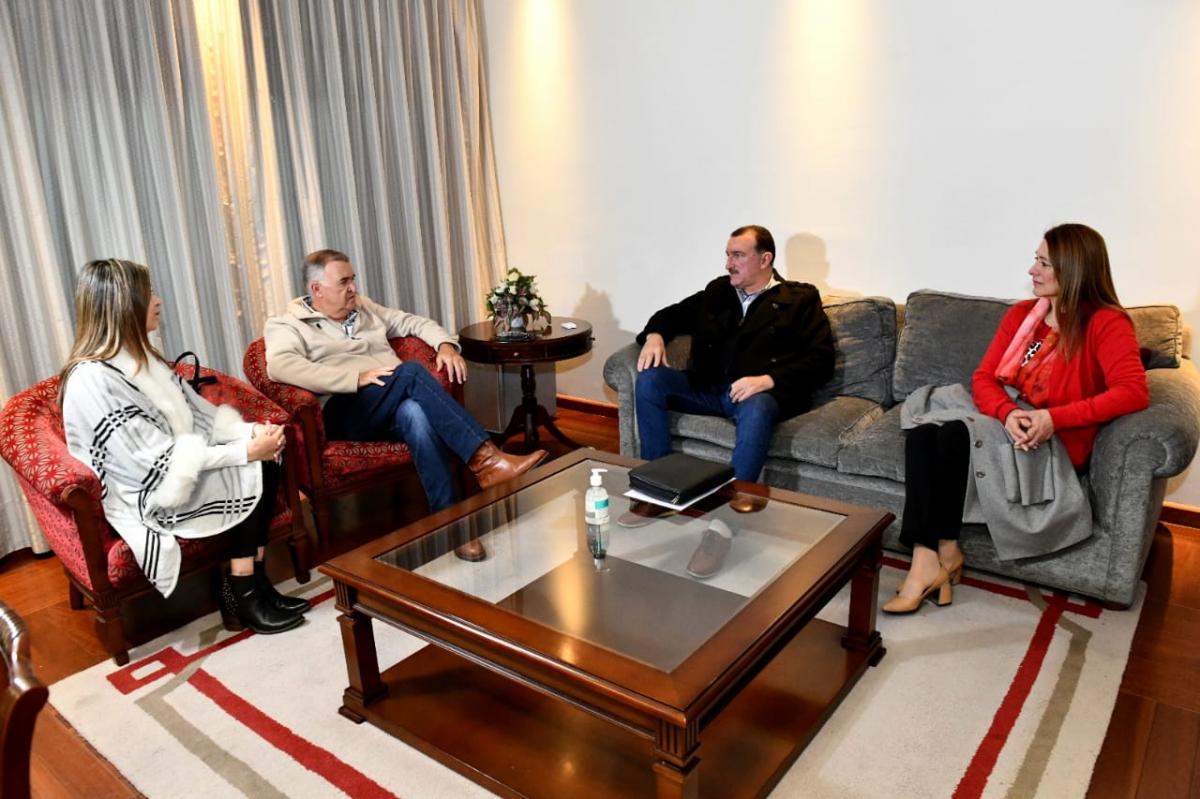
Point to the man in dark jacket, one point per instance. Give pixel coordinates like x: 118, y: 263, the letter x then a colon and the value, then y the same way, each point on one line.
x: 760, y: 346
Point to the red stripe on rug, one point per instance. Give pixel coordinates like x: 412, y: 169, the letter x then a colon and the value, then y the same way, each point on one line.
x: 974, y: 780
x: 172, y: 662
x: 317, y: 760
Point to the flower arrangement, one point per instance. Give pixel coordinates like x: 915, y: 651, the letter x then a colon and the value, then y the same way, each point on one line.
x: 515, y: 300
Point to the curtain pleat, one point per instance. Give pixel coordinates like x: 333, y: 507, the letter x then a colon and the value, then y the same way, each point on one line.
x: 219, y: 141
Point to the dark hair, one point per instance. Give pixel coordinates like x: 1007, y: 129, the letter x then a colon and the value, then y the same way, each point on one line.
x: 1080, y: 261
x: 315, y: 262
x: 763, y: 240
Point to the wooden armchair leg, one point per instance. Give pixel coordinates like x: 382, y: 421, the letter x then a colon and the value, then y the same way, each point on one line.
x: 109, y: 631
x: 323, y: 521
x: 301, y: 553
x: 74, y: 595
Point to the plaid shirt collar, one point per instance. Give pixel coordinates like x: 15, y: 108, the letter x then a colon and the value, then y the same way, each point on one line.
x: 347, y: 323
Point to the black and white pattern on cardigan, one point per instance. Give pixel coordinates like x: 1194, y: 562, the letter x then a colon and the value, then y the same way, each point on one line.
x: 171, y: 465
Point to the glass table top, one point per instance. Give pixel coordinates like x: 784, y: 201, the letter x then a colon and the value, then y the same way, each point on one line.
x: 638, y: 600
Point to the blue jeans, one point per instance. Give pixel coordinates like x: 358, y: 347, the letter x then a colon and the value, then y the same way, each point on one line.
x: 411, y: 406
x: 661, y: 388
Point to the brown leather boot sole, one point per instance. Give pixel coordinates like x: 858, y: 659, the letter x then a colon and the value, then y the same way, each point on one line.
x: 473, y: 551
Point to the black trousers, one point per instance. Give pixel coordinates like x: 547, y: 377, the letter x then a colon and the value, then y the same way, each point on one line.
x: 937, y: 462
x: 251, y: 533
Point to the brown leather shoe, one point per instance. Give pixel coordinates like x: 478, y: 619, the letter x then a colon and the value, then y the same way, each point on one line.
x: 642, y: 513
x: 748, y: 503
x: 710, y: 555
x: 473, y: 550
x: 491, y: 466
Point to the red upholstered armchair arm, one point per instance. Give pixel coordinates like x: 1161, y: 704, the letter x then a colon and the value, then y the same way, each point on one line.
x: 292, y: 399
x: 33, y: 443
x: 411, y: 348
x: 300, y: 405
x: 228, y: 390
x: 63, y: 493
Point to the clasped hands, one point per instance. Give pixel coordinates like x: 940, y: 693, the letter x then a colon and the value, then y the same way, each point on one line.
x: 1028, y: 429
x: 654, y: 353
x: 448, y: 359
x: 266, y: 443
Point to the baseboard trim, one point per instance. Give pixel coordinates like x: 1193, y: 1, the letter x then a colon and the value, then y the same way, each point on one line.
x: 584, y: 405
x: 1185, y: 515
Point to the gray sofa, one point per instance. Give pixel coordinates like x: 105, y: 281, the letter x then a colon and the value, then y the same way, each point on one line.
x: 850, y: 446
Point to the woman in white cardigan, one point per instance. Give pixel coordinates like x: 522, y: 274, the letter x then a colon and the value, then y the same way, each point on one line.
x: 171, y: 464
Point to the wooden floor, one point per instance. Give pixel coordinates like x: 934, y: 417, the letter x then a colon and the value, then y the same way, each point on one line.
x: 1152, y: 748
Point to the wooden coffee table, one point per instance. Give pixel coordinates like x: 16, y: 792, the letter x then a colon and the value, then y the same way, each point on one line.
x: 555, y: 674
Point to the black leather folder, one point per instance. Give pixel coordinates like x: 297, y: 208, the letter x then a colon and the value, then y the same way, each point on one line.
x: 678, y: 478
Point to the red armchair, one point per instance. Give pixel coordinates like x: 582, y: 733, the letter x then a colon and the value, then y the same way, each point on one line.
x: 65, y: 497
x: 336, y: 468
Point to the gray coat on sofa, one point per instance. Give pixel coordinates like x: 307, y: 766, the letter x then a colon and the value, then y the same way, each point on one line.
x: 849, y: 446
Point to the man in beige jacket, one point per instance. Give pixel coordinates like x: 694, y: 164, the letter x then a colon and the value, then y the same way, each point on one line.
x: 334, y: 342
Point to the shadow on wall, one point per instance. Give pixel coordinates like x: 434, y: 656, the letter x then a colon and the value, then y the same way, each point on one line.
x: 596, y: 307
x: 805, y: 259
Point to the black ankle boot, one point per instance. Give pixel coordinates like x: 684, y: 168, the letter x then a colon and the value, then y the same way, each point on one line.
x: 244, y: 605
x: 292, y: 604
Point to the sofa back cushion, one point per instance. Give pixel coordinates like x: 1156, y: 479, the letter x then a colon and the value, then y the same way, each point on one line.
x: 864, y: 340
x: 944, y: 336
x: 1159, y: 331
x: 943, y: 339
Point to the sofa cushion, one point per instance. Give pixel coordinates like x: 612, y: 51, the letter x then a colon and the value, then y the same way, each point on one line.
x: 864, y: 336
x: 813, y: 437
x: 1159, y: 330
x: 943, y: 339
x: 877, y: 450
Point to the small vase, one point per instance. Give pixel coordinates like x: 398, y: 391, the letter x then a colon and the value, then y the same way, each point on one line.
x: 511, y: 326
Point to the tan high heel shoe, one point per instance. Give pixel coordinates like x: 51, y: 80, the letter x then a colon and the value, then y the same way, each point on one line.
x: 900, y: 605
x: 955, y: 569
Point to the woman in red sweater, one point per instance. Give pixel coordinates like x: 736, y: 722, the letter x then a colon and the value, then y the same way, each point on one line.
x: 1069, y: 355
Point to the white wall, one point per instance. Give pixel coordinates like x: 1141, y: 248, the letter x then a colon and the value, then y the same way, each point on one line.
x: 888, y: 146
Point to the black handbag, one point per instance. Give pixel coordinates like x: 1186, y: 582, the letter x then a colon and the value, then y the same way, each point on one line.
x: 678, y: 478
x: 196, y: 380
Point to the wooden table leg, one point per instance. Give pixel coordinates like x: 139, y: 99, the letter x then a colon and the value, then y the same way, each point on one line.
x: 861, y: 634
x: 362, y: 661
x: 677, y: 773
x: 529, y: 415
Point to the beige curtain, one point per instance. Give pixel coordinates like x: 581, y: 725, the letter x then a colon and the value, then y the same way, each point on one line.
x: 218, y: 141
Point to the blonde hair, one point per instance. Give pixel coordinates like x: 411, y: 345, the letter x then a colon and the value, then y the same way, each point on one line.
x: 111, y: 303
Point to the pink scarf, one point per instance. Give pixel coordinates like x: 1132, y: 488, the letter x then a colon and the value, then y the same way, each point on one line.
x: 1010, y: 363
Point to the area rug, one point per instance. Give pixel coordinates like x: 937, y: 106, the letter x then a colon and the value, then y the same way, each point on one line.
x: 1006, y: 693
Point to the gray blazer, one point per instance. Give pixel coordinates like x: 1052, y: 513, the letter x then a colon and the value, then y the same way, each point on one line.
x: 1031, y: 501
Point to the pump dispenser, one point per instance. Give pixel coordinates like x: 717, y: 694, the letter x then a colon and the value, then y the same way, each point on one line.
x: 596, y: 499
x: 595, y: 515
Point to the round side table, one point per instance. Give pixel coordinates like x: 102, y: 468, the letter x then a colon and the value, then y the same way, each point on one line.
x: 554, y: 343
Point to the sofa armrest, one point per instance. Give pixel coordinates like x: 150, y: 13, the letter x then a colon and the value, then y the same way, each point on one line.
x: 620, y: 373
x: 1157, y: 442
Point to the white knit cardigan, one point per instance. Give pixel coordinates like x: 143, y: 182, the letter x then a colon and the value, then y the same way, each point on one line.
x: 170, y: 463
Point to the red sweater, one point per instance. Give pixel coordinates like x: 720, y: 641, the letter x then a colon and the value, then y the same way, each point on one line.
x: 1104, y: 380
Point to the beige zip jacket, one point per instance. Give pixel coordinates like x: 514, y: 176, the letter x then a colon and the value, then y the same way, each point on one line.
x: 308, y: 349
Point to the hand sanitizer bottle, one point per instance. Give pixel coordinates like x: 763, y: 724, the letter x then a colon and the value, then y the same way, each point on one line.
x: 595, y: 514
